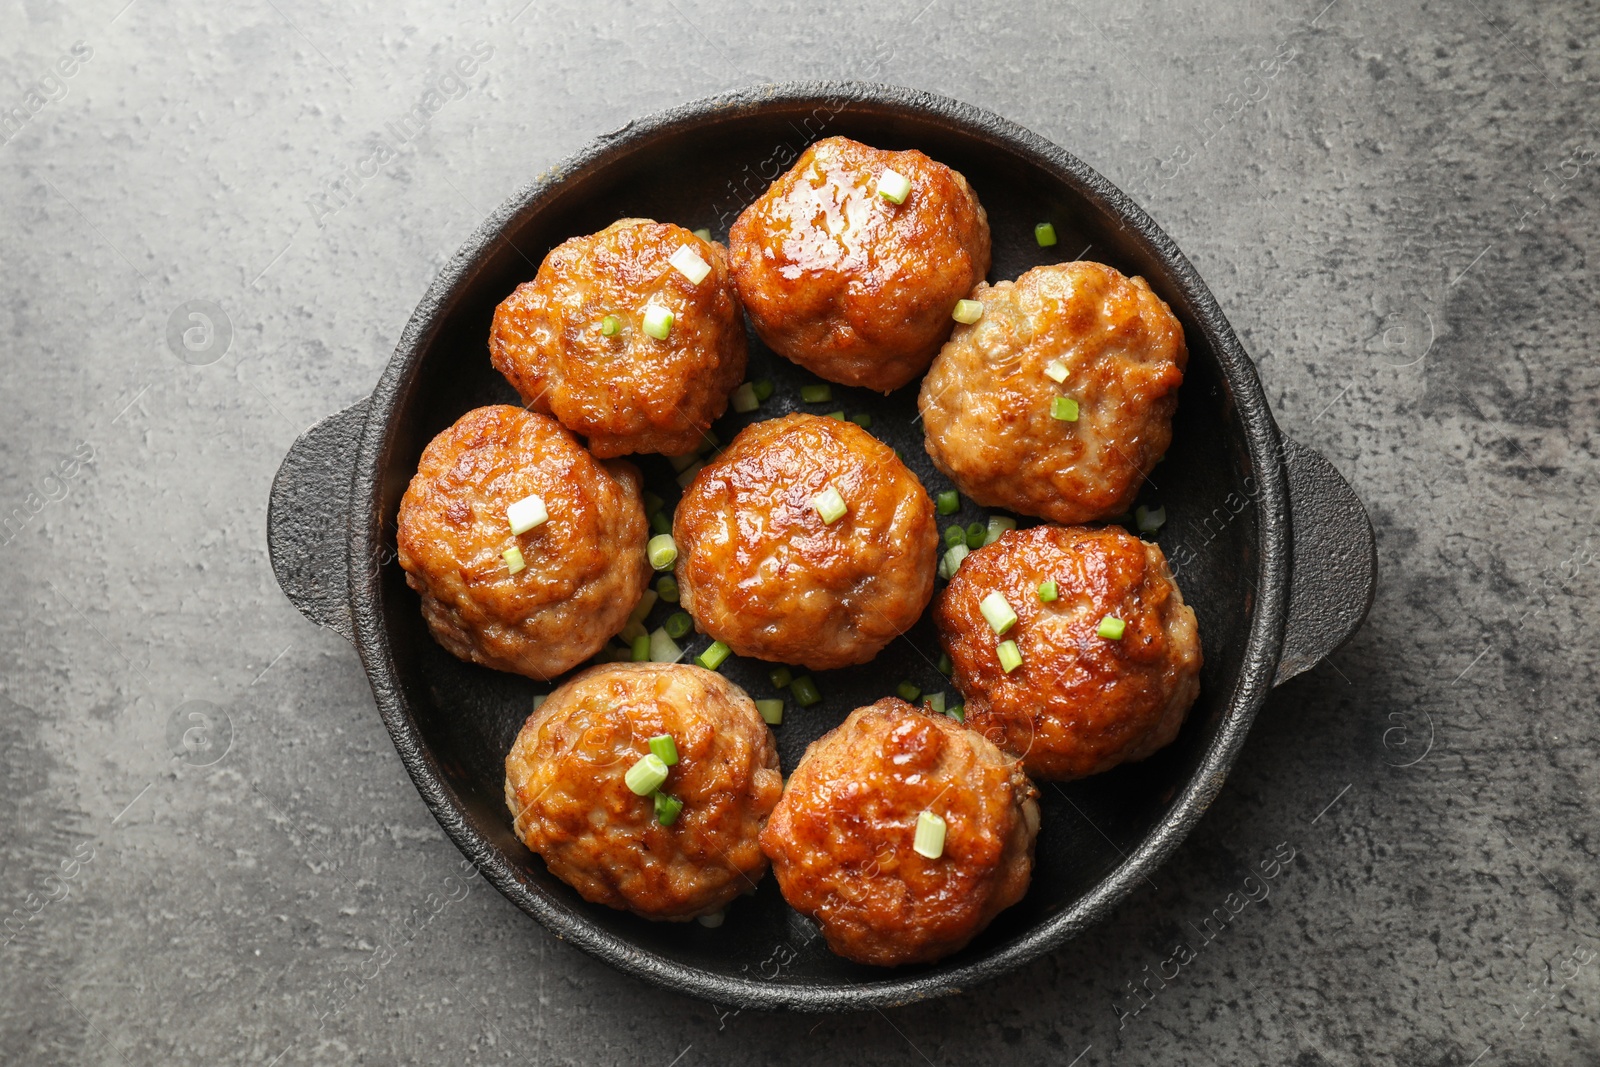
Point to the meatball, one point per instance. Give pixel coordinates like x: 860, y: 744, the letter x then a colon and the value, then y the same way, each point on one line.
x: 579, y: 574
x: 762, y: 570
x: 571, y: 803
x: 841, y: 838
x: 1080, y: 703
x: 629, y: 391
x: 990, y: 404
x: 848, y: 284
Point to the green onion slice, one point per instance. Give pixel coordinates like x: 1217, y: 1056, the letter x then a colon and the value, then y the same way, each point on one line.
x: 658, y: 322
x: 830, y: 505
x: 646, y: 601
x: 526, y: 514
x: 949, y: 502
x: 714, y: 655
x: 816, y: 394
x: 771, y: 711
x: 667, y: 588
x: 945, y: 666
x: 1056, y: 371
x: 632, y: 631
x: 667, y: 808
x: 540, y: 699
x: 662, y: 550
x: 665, y: 748
x: 1047, y: 591
x: 744, y: 399
x: 835, y: 415
x: 641, y: 648
x: 653, y: 503
x: 660, y: 523
x: 704, y: 233
x: 908, y: 692
x: 894, y: 186
x: 1150, y: 519
x: 977, y: 535
x: 955, y: 535
x: 1111, y: 628
x: 997, y: 612
x: 1010, y: 656
x: 805, y: 691
x: 998, y: 524
x: 763, y: 389
x: 958, y: 712
x: 646, y: 775
x: 514, y: 560
x: 781, y: 677
x: 678, y: 625
x: 712, y: 921
x: 610, y: 326
x: 952, y: 560
x: 862, y: 419
x: 686, y: 475
x: 687, y: 262
x: 1064, y: 408
x: 929, y: 841
x: 935, y: 701
x: 967, y: 312
x: 663, y: 649
x: 1045, y: 234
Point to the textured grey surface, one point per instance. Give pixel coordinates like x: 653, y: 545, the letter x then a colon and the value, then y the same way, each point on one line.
x: 1394, y: 204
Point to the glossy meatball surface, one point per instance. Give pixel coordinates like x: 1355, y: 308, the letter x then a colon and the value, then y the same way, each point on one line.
x: 987, y: 401
x: 847, y: 284
x: 571, y: 804
x: 629, y: 392
x: 841, y: 838
x: 1080, y: 703
x: 583, y: 570
x: 760, y: 570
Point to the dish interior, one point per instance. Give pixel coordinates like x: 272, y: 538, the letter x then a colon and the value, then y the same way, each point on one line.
x: 701, y: 175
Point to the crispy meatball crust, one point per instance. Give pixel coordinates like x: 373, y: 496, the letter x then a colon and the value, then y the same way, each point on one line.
x: 1079, y: 704
x: 759, y: 569
x: 629, y: 392
x: 847, y: 284
x: 571, y: 805
x: 840, y: 839
x: 986, y: 401
x: 585, y: 567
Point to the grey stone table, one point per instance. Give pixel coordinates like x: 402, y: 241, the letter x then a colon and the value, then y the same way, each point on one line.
x: 1395, y: 204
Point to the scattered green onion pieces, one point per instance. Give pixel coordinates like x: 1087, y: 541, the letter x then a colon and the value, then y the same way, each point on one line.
x: 658, y: 322
x: 862, y: 419
x: 662, y: 550
x: 646, y: 775
x: 687, y: 262
x: 667, y: 808
x: 633, y: 630
x: 949, y: 502
x: 610, y: 326
x: 781, y: 677
x: 662, y: 647
x: 678, y: 625
x: 1064, y: 408
x: 686, y: 475
x: 1045, y: 234
x: 836, y: 415
x: 1056, y: 371
x: 816, y: 394
x: 763, y: 389
x: 955, y: 535
x: 667, y: 588
x: 526, y: 514
x: 908, y: 692
x: 805, y: 691
x: 771, y: 711
x: 703, y: 233
x: 712, y: 921
x: 540, y: 699
x: 714, y: 655
x: 893, y: 186
x: 952, y: 560
x: 1150, y: 519
x: 647, y: 600
x: 957, y: 712
x: 929, y: 841
x: 935, y: 701
x: 977, y: 535
x: 1111, y: 628
x: 945, y: 666
x: 830, y: 505
x: 997, y: 612
x: 683, y: 462
x: 998, y: 524
x: 641, y: 648
x: 1047, y: 591
x: 660, y: 523
x: 514, y: 560
x: 967, y: 312
x: 1010, y: 656
x: 665, y: 748
x: 653, y: 503
x: 744, y: 399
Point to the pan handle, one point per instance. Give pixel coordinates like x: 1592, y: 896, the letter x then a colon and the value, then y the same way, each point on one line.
x: 1335, y: 562
x: 306, y: 519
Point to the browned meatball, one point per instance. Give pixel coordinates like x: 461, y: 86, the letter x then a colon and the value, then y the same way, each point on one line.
x: 841, y: 838
x: 629, y: 392
x: 568, y: 794
x: 987, y: 404
x: 582, y: 570
x: 759, y: 568
x: 847, y: 284
x: 1080, y: 703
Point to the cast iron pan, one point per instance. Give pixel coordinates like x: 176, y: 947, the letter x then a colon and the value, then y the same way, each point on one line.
x: 1270, y: 545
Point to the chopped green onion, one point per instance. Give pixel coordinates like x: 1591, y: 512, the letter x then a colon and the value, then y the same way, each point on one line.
x: 1064, y: 408
x: 653, y: 503
x: 780, y: 677
x: 967, y: 312
x: 744, y: 399
x: 667, y: 808
x: 1056, y: 371
x: 641, y: 648
x: 658, y: 322
x: 955, y: 535
x: 836, y: 415
x: 816, y: 394
x: 646, y: 775
x: 908, y: 692
x: 678, y: 625
x: 862, y: 419
x: 686, y: 475
x: 1150, y: 519
x: 945, y: 666
x: 771, y: 711
x: 662, y: 550
x: 1045, y: 234
x: 526, y: 514
x: 703, y: 233
x: 763, y: 389
x: 997, y: 612
x: 667, y: 588
x: 687, y: 262
x: 665, y: 748
x: 662, y: 648
x: 683, y: 462
x: 958, y: 712
x: 660, y: 523
x: 977, y: 535
x: 633, y: 630
x: 1010, y: 656
x: 1111, y: 628
x: 805, y: 691
x: 830, y: 505
x: 514, y: 560
x: 610, y: 326
x: 540, y: 699
x: 929, y: 841
x: 935, y: 701
x: 893, y: 186
x: 647, y: 600
x: 1047, y: 591
x: 712, y: 921
x: 998, y: 524
x: 949, y: 502
x: 714, y: 655
x: 952, y: 560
